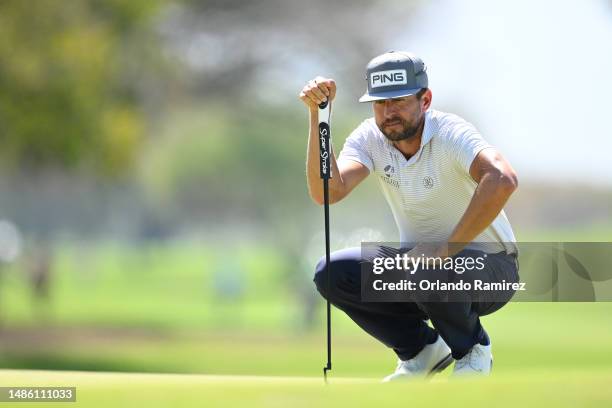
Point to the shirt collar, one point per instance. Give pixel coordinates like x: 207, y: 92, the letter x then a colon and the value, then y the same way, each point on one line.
x: 429, y: 130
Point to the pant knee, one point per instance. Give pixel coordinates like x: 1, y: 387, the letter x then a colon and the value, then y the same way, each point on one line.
x: 344, y: 275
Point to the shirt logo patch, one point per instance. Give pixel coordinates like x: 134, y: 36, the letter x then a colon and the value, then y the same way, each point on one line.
x: 428, y: 182
x: 389, y: 171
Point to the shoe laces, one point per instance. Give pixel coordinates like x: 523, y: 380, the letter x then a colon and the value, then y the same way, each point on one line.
x: 411, y: 365
x: 467, y: 360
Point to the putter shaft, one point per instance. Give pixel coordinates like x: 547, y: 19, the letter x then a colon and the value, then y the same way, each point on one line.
x: 325, y: 172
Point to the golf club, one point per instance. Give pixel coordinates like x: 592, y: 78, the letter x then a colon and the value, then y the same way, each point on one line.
x: 325, y: 170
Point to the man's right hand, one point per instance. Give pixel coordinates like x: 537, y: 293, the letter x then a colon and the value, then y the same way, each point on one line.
x: 347, y: 173
x: 318, y: 90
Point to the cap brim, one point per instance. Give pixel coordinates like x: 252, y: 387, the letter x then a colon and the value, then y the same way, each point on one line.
x: 388, y: 95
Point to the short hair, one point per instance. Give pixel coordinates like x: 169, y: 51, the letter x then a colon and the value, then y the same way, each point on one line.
x: 421, y: 93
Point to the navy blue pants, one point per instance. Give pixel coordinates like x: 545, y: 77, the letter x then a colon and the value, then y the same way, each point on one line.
x: 402, y: 325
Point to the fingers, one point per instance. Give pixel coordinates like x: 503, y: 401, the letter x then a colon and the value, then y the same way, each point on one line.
x: 317, y: 91
x: 308, y: 99
x: 327, y: 86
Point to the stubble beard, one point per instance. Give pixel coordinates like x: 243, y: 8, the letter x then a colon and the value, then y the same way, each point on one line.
x: 409, y: 130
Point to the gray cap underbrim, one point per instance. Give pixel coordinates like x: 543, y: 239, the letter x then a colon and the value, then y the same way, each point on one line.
x: 388, y: 95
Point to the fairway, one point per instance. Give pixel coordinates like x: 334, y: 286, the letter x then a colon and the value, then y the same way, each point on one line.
x: 546, y: 354
x: 565, y: 388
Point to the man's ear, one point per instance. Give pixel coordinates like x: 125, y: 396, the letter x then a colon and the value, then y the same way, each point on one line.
x: 426, y: 100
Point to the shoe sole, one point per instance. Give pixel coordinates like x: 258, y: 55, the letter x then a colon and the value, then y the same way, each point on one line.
x: 441, y: 365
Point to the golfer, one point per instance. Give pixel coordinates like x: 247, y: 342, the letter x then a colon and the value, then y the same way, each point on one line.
x: 446, y: 187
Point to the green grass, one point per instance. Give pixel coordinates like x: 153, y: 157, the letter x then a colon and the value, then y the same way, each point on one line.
x: 181, y: 285
x: 115, y: 308
x: 164, y: 286
x: 516, y: 388
x: 540, y: 337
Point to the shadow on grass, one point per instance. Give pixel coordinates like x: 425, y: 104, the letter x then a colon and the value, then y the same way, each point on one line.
x: 64, y: 363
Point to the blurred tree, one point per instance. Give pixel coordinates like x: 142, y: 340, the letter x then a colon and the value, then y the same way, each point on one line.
x: 82, y: 84
x: 236, y: 145
x: 69, y: 74
x: 230, y: 47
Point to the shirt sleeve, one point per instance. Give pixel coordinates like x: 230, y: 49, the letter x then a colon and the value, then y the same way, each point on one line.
x: 356, y: 147
x: 467, y: 142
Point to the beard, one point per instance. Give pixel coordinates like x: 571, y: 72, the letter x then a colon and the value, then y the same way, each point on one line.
x: 408, y: 129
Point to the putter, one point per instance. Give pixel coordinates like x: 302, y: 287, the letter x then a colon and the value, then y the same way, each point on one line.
x: 325, y: 170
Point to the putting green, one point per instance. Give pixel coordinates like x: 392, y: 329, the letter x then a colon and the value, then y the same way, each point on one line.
x: 565, y: 388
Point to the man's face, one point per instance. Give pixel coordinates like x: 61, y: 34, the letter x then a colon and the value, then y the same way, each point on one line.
x: 399, y: 118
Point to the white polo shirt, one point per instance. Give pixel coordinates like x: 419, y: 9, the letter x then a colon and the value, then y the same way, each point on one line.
x: 429, y: 193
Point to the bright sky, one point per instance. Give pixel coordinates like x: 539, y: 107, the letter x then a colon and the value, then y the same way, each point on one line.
x: 535, y: 76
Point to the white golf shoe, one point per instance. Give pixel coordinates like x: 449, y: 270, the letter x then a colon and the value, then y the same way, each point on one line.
x: 478, y: 361
x: 432, y: 359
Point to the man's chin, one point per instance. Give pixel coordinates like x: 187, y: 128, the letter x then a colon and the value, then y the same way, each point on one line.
x: 393, y: 137
x: 396, y: 136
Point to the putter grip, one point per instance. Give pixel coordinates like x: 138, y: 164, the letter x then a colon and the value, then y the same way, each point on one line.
x: 324, y: 151
x: 323, y: 105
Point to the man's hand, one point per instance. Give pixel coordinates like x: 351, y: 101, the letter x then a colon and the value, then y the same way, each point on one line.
x: 318, y: 90
x: 347, y: 174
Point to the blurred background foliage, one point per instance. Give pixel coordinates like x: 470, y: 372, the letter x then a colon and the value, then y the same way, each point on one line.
x: 152, y: 179
x: 170, y: 111
x: 70, y: 78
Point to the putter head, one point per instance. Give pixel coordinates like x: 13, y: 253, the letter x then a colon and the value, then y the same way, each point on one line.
x: 325, y: 369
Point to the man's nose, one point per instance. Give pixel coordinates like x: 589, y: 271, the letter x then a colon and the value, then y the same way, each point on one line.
x: 390, y: 108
